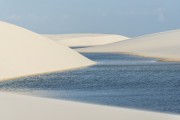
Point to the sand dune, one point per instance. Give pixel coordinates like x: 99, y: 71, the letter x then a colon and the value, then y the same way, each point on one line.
x: 23, y: 53
x: 57, y: 37
x: 163, y: 45
x: 19, y: 107
x: 81, y: 40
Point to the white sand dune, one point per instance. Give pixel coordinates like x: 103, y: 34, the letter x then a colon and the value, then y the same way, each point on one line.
x: 57, y: 37
x: 19, y: 107
x: 83, y: 40
x: 23, y: 53
x: 165, y: 45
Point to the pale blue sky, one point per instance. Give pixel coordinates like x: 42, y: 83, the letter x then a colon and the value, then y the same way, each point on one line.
x: 126, y: 17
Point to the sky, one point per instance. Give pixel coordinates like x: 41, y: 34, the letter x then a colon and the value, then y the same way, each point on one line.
x: 125, y: 17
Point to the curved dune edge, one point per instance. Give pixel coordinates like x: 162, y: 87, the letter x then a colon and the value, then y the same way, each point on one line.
x: 163, y: 46
x: 84, y: 40
x: 20, y: 107
x: 43, y: 73
x: 24, y: 53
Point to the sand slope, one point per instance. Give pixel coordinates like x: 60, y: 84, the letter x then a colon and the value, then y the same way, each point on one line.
x: 165, y: 45
x: 18, y: 107
x: 23, y: 52
x: 81, y: 40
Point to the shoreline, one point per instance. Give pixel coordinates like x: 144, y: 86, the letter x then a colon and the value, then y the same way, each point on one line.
x: 163, y: 46
x: 56, y: 71
x: 51, y: 109
x: 133, y: 54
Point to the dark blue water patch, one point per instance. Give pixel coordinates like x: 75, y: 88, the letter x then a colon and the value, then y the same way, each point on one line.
x: 117, y: 80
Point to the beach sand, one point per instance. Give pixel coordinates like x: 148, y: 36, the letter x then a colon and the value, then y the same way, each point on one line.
x: 20, y: 107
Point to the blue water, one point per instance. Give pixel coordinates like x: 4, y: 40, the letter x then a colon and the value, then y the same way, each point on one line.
x: 117, y: 80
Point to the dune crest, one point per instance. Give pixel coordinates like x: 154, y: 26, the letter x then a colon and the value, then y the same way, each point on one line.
x: 164, y: 45
x: 23, y: 53
x: 84, y: 40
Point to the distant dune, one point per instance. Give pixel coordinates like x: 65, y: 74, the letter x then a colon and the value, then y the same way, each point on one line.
x: 57, y: 37
x: 164, y: 45
x: 83, y: 40
x: 19, y: 107
x: 23, y: 53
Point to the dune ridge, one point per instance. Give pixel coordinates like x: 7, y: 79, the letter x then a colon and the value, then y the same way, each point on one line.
x: 163, y: 45
x: 24, y: 53
x: 84, y: 40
